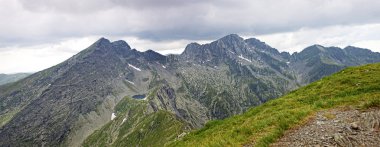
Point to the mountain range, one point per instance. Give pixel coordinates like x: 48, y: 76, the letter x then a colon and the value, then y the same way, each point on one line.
x: 338, y: 110
x: 9, y: 78
x: 112, y: 95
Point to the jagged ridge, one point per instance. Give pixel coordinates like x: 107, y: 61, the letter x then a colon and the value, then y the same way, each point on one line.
x: 64, y: 104
x: 355, y: 87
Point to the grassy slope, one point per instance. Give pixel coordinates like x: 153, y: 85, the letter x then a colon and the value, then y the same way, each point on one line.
x: 140, y: 129
x: 154, y: 130
x: 262, y: 125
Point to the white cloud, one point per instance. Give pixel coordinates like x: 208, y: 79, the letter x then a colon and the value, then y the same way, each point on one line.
x: 369, y: 44
x: 46, y: 20
x: 34, y: 58
x: 364, y: 36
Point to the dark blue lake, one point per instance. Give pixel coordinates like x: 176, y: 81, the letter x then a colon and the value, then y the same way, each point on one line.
x: 139, y: 96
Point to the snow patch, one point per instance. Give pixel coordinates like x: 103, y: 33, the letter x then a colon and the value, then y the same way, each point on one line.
x: 143, y: 99
x: 163, y: 66
x: 134, y: 67
x: 241, y: 57
x: 287, y: 62
x: 130, y: 82
x: 113, y: 116
x: 231, y: 52
x: 124, y: 120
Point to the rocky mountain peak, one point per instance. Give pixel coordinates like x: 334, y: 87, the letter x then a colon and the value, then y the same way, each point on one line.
x: 313, y: 50
x: 227, y: 47
x: 262, y: 46
x: 232, y: 44
x: 356, y: 49
x: 104, y: 46
x: 192, y: 45
x: 151, y: 55
x: 365, y: 55
x: 231, y: 39
x: 319, y: 49
x: 102, y: 42
x: 350, y: 47
x: 256, y: 42
x: 121, y: 43
x: 192, y: 49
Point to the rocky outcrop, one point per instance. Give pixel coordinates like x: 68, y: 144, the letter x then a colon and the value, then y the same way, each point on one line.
x: 336, y: 128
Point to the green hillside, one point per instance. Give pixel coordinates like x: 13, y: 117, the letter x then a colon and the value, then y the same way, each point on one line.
x: 134, y: 126
x: 357, y: 87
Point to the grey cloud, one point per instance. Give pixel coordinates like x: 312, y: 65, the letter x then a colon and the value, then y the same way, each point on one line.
x: 84, y: 6
x: 142, y: 4
x: 66, y: 6
x: 42, y: 20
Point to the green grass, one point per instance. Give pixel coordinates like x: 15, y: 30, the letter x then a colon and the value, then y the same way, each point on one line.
x: 110, y: 132
x: 5, y: 118
x: 374, y: 103
x: 140, y: 129
x: 355, y: 87
x: 154, y: 130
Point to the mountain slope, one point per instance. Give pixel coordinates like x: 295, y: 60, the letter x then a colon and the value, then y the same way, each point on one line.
x: 133, y: 126
x: 354, y: 86
x: 225, y: 77
x: 9, y: 78
x: 66, y: 103
x: 238, y: 75
x: 63, y: 104
x: 316, y: 61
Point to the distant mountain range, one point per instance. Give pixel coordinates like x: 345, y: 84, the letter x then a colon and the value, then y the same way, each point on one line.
x: 9, y: 78
x: 145, y: 98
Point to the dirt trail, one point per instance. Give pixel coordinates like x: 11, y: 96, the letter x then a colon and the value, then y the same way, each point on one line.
x: 336, y: 128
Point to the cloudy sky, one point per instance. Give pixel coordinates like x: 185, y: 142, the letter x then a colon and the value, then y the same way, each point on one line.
x: 36, y: 34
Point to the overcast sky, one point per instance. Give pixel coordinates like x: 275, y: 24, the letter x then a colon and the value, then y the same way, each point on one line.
x: 37, y: 34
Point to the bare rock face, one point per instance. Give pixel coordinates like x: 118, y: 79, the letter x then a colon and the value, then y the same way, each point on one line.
x: 336, y: 128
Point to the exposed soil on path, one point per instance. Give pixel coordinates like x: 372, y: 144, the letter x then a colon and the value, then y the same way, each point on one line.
x: 336, y: 128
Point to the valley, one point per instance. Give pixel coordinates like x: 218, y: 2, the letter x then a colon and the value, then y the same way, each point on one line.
x: 110, y: 94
